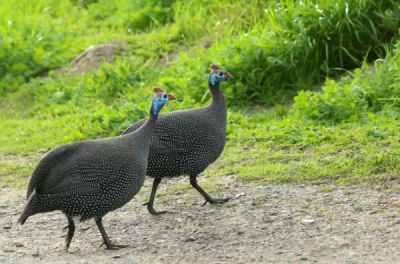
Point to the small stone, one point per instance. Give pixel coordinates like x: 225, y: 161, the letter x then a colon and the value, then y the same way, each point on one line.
x: 116, y: 256
x: 344, y: 244
x: 9, y: 250
x: 35, y: 254
x: 3, y: 205
x: 240, y: 232
x: 85, y: 228
x: 190, y: 239
x: 18, y: 244
x: 7, y: 227
x: 42, y: 151
x: 303, y: 259
x: 308, y: 221
x: 239, y: 195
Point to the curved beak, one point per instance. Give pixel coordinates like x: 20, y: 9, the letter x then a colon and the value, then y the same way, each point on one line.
x: 171, y: 97
x: 228, y: 75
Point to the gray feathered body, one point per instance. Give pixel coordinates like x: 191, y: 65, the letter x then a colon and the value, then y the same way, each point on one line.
x: 90, y: 178
x: 187, y: 141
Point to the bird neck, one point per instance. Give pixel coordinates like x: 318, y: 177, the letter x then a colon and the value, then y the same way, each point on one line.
x: 146, y: 131
x: 218, y: 98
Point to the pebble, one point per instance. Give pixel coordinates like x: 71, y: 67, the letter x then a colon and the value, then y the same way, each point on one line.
x: 7, y: 227
x: 344, y: 244
x: 9, y: 250
x: 116, y: 256
x: 18, y: 244
x: 191, y: 217
x: 42, y: 151
x: 190, y: 239
x: 308, y: 221
x: 239, y: 195
x: 85, y: 228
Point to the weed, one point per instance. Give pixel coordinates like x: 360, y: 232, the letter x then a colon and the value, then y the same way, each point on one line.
x: 326, y: 188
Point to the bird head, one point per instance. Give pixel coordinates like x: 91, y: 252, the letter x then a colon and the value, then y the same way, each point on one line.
x: 217, y: 76
x: 160, y: 99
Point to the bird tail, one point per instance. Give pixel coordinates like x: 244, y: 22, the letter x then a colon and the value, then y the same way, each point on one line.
x: 28, y: 211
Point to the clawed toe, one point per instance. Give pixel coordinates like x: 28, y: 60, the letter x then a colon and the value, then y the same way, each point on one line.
x: 120, y: 246
x: 224, y: 200
x: 217, y: 201
x: 154, y: 212
x: 113, y: 246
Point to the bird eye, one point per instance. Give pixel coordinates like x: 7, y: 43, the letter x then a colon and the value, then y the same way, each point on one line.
x: 164, y: 96
x: 220, y: 73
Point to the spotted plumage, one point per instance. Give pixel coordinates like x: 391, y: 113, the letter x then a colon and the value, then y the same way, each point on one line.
x: 88, y: 179
x: 186, y: 142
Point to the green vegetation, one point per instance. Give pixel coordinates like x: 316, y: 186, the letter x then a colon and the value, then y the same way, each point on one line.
x: 275, y: 49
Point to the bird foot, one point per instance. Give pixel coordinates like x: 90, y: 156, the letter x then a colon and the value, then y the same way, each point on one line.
x: 154, y: 212
x: 216, y: 201
x: 111, y: 246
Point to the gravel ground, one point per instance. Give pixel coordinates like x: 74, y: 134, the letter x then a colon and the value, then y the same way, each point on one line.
x: 262, y: 224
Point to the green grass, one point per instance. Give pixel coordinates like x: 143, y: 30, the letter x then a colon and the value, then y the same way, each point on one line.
x: 275, y: 49
x: 15, y: 171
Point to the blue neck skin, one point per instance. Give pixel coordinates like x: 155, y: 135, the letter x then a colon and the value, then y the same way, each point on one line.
x: 157, y: 105
x: 215, y: 79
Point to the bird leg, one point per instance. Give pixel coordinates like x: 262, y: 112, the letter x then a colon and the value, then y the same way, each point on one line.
x: 106, y: 240
x: 150, y: 203
x: 209, y: 199
x: 70, y: 233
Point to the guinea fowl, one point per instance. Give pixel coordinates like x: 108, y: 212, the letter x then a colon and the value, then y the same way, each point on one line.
x: 91, y: 178
x: 185, y: 142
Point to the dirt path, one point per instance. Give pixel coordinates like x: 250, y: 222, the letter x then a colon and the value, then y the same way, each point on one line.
x: 263, y: 224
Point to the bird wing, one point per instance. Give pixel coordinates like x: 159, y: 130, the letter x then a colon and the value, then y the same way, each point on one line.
x: 170, y: 135
x: 65, y: 171
x: 166, y: 140
x: 80, y: 168
x: 46, y: 165
x: 73, y: 179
